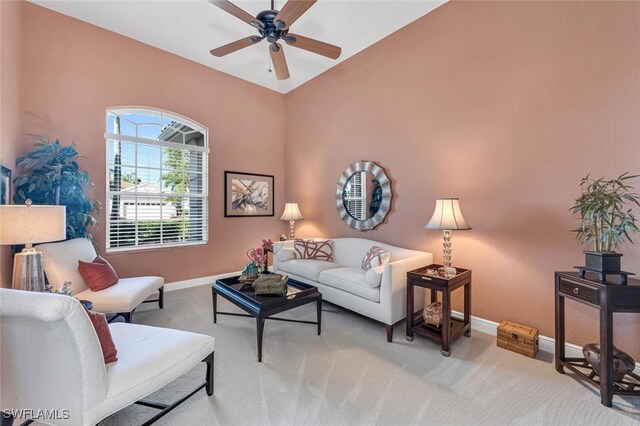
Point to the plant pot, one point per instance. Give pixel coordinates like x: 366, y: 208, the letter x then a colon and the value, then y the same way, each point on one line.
x: 604, y: 262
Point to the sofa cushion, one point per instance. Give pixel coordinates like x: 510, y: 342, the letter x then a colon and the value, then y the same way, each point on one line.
x: 306, y: 268
x: 109, y: 351
x: 313, y: 249
x: 351, y: 280
x: 282, y: 254
x: 98, y: 274
x: 124, y: 296
x: 374, y: 257
x: 61, y: 262
x: 373, y: 277
x: 149, y: 358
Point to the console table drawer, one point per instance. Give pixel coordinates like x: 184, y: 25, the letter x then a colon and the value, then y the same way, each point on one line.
x: 580, y: 291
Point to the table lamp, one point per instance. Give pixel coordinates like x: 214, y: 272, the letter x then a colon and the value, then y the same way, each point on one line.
x: 291, y: 213
x: 447, y: 217
x: 27, y: 225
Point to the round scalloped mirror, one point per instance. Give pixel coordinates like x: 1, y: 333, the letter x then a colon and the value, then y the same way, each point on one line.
x: 363, y: 195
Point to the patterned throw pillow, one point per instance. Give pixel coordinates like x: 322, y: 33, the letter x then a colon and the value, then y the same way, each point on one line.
x: 317, y: 250
x: 375, y: 257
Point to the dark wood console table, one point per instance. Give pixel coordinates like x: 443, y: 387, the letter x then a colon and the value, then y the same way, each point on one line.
x: 608, y: 297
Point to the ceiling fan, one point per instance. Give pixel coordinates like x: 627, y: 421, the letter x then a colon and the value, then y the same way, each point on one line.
x: 274, y: 26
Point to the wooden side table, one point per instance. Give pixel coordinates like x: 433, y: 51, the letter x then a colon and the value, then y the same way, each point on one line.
x: 607, y: 297
x: 451, y: 328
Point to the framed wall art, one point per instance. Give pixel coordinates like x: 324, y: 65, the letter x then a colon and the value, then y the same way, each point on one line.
x: 5, y: 185
x: 248, y: 195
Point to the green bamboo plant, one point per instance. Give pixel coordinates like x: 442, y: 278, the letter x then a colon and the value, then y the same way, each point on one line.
x: 605, y: 219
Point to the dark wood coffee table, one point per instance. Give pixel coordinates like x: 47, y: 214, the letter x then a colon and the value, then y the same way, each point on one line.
x: 263, y: 307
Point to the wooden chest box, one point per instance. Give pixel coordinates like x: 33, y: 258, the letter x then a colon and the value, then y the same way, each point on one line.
x: 518, y: 338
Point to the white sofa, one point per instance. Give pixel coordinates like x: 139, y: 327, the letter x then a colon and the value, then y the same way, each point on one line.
x: 379, y: 293
x: 51, y: 360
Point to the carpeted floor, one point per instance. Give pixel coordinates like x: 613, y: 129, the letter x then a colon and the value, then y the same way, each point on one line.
x: 351, y: 375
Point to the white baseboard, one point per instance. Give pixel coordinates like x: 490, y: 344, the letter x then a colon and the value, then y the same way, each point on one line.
x: 545, y: 343
x: 195, y: 282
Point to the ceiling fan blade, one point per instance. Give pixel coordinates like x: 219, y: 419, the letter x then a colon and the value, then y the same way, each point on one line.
x: 231, y: 8
x: 279, y: 62
x: 312, y: 45
x: 290, y: 12
x: 236, y: 45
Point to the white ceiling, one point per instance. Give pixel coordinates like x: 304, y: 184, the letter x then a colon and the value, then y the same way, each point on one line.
x: 191, y: 28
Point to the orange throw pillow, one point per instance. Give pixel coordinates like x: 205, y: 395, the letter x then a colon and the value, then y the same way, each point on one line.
x: 98, y: 274
x: 99, y: 322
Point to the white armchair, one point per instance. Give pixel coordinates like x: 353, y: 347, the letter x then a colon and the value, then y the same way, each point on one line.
x: 61, y: 265
x: 51, y: 360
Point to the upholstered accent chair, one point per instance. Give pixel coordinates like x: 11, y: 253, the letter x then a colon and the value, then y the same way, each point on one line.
x: 51, y: 359
x: 61, y: 265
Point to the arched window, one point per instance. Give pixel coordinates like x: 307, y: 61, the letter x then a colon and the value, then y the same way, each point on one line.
x: 157, y: 180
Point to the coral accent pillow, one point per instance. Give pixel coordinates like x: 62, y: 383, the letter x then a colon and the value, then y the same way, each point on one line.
x: 99, y: 322
x: 375, y: 257
x: 98, y: 274
x: 317, y: 250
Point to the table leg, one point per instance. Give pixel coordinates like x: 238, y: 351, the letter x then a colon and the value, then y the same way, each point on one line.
x: 446, y: 322
x: 319, y: 307
x: 606, y: 354
x: 409, y: 312
x: 260, y: 326
x: 467, y: 308
x: 559, y: 329
x: 434, y: 295
x: 214, y: 300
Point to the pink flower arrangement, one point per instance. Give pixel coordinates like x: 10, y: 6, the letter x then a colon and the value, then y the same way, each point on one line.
x: 267, y: 245
x: 258, y: 255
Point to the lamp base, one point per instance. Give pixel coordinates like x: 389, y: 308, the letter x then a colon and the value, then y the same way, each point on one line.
x: 27, y: 271
x: 447, y: 271
x: 292, y: 229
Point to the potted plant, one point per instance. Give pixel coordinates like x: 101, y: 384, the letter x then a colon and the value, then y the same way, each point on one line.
x: 50, y: 174
x: 605, y: 219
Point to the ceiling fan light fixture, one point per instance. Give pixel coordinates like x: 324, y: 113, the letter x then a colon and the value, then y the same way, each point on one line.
x: 274, y: 26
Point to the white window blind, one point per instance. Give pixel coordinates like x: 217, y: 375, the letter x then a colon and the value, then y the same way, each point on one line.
x: 355, y: 196
x: 157, y: 189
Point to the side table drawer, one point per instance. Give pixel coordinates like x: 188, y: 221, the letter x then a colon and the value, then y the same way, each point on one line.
x: 427, y: 281
x: 580, y: 291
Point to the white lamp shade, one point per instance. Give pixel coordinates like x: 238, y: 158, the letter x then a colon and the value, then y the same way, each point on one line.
x: 447, y: 216
x: 32, y: 224
x: 291, y: 212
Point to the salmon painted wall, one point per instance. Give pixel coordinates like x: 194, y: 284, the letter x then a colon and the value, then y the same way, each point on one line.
x: 73, y: 71
x: 11, y: 34
x: 503, y: 104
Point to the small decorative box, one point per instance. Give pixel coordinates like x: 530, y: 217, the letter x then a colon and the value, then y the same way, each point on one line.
x: 432, y: 314
x: 273, y: 284
x: 518, y: 338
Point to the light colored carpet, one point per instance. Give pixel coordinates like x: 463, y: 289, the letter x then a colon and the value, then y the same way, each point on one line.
x: 351, y: 375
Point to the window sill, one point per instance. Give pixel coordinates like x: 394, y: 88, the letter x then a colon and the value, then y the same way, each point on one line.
x: 118, y: 250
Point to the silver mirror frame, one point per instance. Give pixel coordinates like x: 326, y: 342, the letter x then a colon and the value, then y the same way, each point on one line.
x: 387, y: 195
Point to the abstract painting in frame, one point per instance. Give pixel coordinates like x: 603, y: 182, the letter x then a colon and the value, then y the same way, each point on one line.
x: 5, y: 185
x: 248, y: 195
